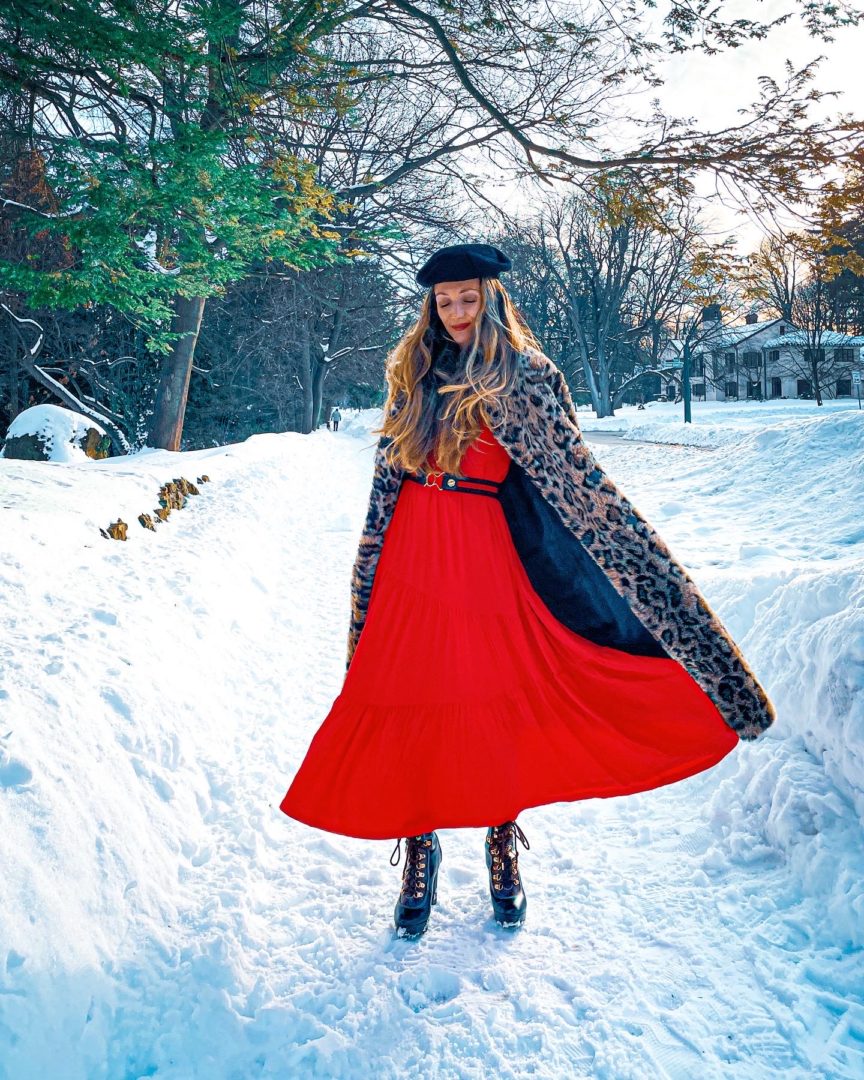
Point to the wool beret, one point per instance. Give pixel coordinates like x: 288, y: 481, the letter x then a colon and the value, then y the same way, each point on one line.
x: 461, y: 261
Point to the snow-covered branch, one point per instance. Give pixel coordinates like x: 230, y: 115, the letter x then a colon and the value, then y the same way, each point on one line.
x: 40, y: 340
x: 147, y: 247
x: 42, y: 376
x: 42, y: 213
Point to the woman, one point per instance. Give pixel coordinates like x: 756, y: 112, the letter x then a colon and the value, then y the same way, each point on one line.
x: 524, y: 636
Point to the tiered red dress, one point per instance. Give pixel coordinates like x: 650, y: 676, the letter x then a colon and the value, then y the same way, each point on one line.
x: 466, y: 700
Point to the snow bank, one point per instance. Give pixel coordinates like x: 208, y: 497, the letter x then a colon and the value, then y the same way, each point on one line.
x: 804, y: 481
x: 797, y: 795
x: 771, y: 526
x: 60, y: 430
x: 714, y: 423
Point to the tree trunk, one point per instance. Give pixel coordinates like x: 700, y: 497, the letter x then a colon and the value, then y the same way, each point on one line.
x: 591, y: 383
x: 13, y: 387
x: 817, y: 385
x: 166, y: 427
x: 604, y: 381
x: 319, y: 371
x: 308, y: 375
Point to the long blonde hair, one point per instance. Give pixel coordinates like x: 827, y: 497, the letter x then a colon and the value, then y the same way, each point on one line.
x: 421, y: 425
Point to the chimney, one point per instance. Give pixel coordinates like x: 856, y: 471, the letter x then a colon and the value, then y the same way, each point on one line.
x: 711, y: 313
x: 751, y: 317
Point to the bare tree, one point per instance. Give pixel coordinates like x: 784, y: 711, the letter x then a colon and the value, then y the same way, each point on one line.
x: 609, y: 292
x: 793, y: 273
x: 777, y: 270
x: 610, y: 279
x: 810, y: 353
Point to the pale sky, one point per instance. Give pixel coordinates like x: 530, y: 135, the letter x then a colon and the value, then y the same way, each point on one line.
x: 709, y: 89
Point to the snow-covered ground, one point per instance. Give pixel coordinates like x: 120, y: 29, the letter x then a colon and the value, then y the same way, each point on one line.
x: 160, y: 916
x: 713, y: 423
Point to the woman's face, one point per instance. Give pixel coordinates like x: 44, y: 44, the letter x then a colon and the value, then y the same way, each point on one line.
x: 458, y: 304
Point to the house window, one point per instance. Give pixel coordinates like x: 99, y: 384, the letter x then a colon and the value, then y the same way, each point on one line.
x: 774, y: 356
x: 814, y: 354
x: 804, y: 390
x: 751, y: 358
x: 730, y: 362
x: 698, y: 365
x: 844, y: 356
x: 754, y: 389
x: 844, y: 386
x: 697, y: 389
x: 776, y: 388
x: 732, y: 389
x: 782, y: 330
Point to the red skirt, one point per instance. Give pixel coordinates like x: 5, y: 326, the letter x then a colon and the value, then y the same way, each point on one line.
x: 467, y: 701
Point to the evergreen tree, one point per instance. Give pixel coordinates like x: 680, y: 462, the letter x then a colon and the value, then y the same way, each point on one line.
x: 165, y: 193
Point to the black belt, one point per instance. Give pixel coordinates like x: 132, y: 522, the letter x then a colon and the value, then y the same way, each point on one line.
x: 449, y: 482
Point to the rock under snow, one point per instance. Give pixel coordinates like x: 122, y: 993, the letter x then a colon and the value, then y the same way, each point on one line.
x: 52, y: 433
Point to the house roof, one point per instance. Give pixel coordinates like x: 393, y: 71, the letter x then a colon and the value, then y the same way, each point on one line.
x: 827, y: 339
x: 734, y: 335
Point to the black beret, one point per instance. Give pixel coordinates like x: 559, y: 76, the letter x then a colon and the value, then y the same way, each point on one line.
x: 458, y: 262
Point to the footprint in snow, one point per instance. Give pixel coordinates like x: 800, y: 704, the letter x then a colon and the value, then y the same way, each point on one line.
x: 14, y: 774
x: 430, y: 986
x: 14, y: 960
x: 112, y: 698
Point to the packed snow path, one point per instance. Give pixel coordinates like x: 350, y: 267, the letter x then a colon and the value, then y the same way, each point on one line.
x: 160, y: 916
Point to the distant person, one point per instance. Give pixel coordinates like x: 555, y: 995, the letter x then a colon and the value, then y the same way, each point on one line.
x: 530, y: 639
x: 335, y: 417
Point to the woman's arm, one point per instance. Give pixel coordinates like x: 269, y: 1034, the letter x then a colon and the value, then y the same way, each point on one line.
x: 386, y: 481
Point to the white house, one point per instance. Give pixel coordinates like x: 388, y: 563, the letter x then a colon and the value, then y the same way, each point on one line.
x: 760, y: 360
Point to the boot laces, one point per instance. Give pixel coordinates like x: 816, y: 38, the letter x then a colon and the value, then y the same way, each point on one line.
x: 414, y: 872
x: 505, y: 857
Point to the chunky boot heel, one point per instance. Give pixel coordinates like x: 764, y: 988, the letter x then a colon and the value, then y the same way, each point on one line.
x: 419, y: 882
x: 509, y: 902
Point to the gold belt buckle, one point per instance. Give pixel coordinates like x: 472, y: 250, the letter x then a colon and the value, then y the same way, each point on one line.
x: 447, y: 481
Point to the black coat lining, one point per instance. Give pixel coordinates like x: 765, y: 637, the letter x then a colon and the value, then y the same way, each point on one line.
x: 564, y: 575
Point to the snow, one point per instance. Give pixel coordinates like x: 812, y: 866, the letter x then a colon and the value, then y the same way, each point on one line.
x: 61, y: 430
x: 148, y: 245
x: 714, y: 423
x: 823, y: 339
x: 160, y: 916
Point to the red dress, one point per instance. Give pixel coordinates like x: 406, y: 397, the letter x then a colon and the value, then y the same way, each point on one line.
x: 467, y: 701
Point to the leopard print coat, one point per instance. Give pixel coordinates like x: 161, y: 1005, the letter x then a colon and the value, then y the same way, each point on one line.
x: 538, y: 428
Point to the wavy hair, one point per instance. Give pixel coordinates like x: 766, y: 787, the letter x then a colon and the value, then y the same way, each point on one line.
x: 438, y: 406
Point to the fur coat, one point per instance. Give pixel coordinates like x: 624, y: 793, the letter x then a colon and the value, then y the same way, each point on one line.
x: 598, y: 565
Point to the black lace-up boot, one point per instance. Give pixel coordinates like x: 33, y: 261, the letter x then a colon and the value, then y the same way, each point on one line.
x: 505, y: 886
x: 419, y: 882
